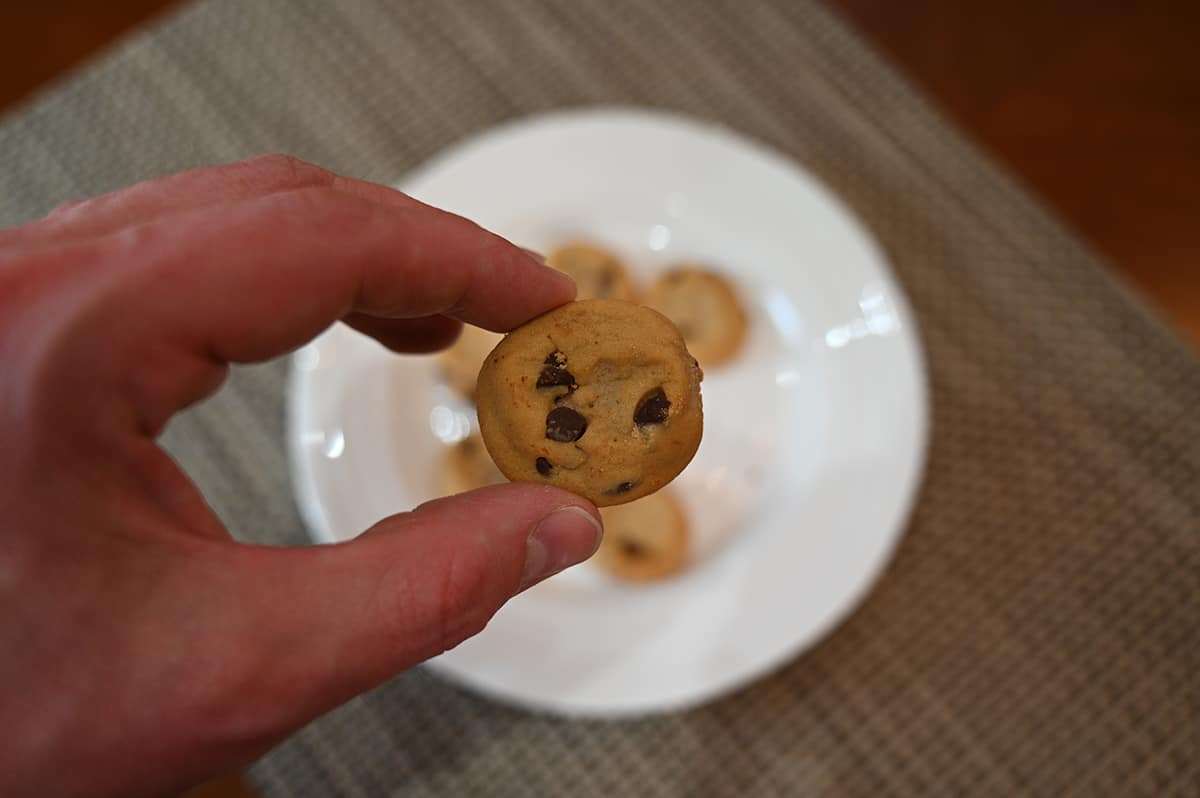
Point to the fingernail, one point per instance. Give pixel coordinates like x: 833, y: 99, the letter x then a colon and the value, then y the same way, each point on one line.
x: 567, y: 536
x: 562, y: 277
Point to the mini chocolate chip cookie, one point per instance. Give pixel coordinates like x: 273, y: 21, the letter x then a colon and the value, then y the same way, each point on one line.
x: 644, y: 540
x: 467, y: 466
x: 598, y: 273
x: 706, y: 309
x: 460, y: 363
x: 599, y: 397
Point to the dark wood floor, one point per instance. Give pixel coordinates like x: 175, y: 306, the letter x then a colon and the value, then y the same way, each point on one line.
x: 1094, y: 104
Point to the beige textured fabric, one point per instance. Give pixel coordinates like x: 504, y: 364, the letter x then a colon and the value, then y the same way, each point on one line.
x: 1037, y: 632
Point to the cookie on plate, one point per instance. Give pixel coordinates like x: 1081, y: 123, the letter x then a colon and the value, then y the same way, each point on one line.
x: 598, y: 397
x: 597, y: 272
x: 644, y: 540
x: 460, y: 363
x: 706, y: 309
x: 467, y: 466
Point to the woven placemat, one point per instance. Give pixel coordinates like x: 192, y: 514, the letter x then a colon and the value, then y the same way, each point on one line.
x: 1037, y: 633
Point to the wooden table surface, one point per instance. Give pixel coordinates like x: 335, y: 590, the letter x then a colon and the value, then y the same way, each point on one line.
x: 1093, y: 104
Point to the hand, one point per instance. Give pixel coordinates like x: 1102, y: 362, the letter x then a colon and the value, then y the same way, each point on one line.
x: 141, y: 650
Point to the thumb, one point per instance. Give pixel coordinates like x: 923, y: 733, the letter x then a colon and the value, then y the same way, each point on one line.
x: 319, y: 625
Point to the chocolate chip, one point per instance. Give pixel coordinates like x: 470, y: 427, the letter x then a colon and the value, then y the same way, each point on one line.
x: 653, y: 408
x: 624, y: 487
x: 554, y: 372
x: 543, y: 466
x: 565, y: 425
x: 632, y: 549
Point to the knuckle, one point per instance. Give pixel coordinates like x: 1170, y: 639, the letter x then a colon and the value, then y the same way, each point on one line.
x: 463, y: 610
x: 426, y: 616
x: 65, y: 209
x: 326, y: 210
x: 289, y: 170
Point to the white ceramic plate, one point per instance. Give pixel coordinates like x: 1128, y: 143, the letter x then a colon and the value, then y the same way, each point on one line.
x: 814, y: 438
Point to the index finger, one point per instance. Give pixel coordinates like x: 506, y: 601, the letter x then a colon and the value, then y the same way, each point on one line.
x: 257, y: 278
